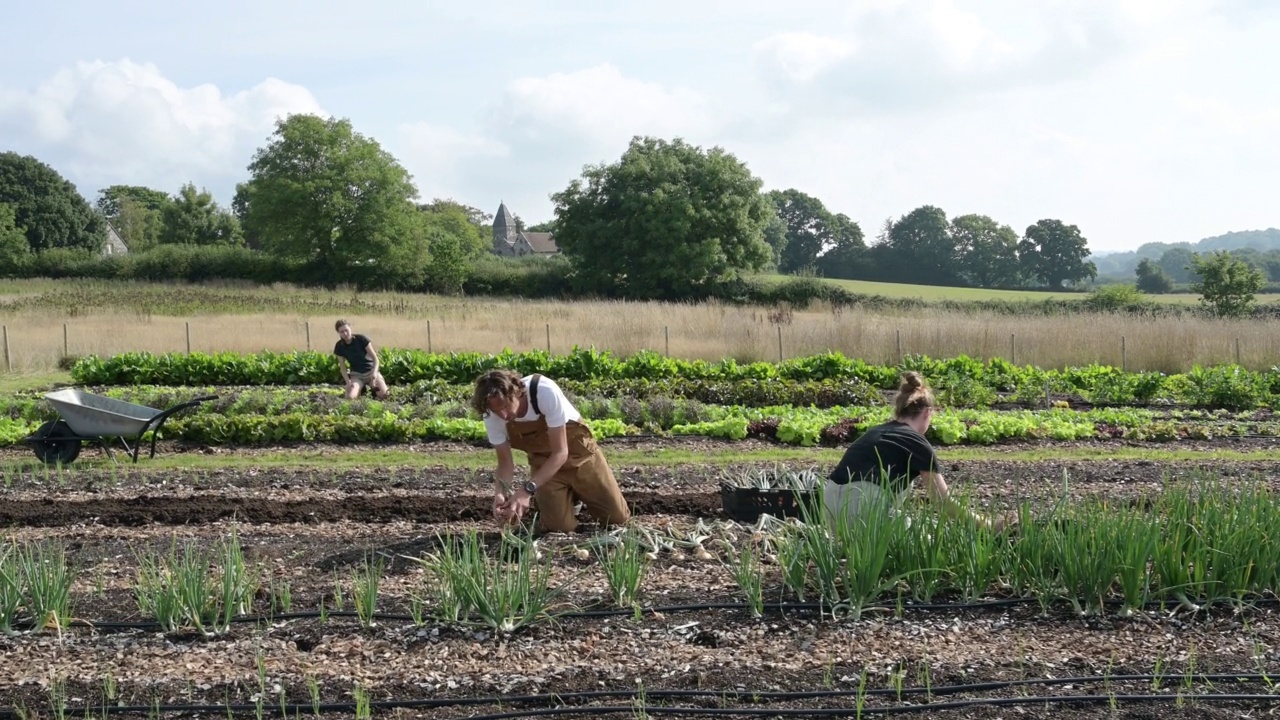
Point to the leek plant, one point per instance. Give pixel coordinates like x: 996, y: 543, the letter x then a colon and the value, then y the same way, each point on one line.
x: 508, y: 592
x: 10, y: 587
x: 625, y: 564
x: 745, y: 569
x: 46, y: 584
x: 921, y: 547
x: 365, y: 586
x: 194, y: 588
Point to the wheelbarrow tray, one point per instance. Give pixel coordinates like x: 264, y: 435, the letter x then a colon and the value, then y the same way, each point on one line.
x: 86, y: 417
x: 94, y: 416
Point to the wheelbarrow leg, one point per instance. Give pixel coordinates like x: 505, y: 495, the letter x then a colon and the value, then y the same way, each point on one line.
x: 106, y: 447
x: 132, y: 452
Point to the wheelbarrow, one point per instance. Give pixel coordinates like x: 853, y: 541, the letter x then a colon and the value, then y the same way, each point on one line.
x: 86, y: 417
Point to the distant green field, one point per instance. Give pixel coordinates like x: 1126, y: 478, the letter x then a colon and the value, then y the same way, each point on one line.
x: 934, y: 293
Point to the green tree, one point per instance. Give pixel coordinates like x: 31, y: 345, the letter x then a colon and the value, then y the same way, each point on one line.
x: 1176, y: 263
x: 193, y: 218
x: 14, y: 248
x: 454, y: 244
x: 1054, y: 253
x: 664, y: 221
x: 1227, y: 284
x: 988, y: 251
x: 476, y: 216
x: 920, y: 248
x: 138, y: 226
x: 1110, y: 298
x: 324, y: 194
x: 848, y: 257
x: 810, y: 229
x: 1151, y: 278
x: 775, y: 236
x: 111, y: 199
x: 136, y: 212
x: 53, y: 212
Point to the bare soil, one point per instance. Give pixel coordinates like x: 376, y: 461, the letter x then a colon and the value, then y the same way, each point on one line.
x: 312, y: 531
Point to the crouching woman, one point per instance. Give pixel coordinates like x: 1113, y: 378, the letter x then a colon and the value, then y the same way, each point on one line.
x: 879, y: 468
x: 532, y: 414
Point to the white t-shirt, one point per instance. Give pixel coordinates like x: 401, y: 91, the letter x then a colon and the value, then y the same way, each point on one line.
x: 555, y: 407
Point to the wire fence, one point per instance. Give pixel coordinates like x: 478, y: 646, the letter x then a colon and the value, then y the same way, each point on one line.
x: 35, y: 347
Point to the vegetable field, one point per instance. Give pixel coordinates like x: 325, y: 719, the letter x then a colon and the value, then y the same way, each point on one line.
x: 339, y: 585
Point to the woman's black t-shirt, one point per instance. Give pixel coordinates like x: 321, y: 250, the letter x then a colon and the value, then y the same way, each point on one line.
x: 354, y: 353
x: 891, y: 454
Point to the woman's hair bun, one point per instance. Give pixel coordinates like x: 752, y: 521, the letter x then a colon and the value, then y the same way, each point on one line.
x: 911, y: 380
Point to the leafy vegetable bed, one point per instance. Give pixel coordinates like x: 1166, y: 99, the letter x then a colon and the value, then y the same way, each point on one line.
x: 960, y: 380
x: 257, y: 416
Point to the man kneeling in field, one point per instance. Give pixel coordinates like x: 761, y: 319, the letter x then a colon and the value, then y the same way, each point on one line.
x: 532, y: 414
x: 357, y: 352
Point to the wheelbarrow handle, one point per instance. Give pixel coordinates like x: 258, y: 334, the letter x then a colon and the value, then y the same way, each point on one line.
x: 157, y: 421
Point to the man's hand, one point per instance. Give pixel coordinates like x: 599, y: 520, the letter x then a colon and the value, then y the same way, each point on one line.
x: 500, y: 511
x: 518, y: 505
x: 1004, y: 522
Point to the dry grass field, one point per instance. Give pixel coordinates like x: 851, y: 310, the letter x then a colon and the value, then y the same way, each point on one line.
x: 105, y: 318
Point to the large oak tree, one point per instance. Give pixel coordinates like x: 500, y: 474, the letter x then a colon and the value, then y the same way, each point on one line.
x: 664, y: 221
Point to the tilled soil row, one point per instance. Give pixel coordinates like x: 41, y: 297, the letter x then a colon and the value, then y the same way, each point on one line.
x: 207, y: 508
x: 139, y: 496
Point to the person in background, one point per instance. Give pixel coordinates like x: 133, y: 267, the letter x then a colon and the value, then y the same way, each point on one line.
x: 533, y: 415
x: 878, y: 469
x: 358, y: 362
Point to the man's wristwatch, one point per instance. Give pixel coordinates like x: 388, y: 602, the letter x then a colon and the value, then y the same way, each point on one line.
x: 530, y: 488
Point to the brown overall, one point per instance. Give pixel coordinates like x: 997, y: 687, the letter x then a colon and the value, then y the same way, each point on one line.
x: 585, y: 475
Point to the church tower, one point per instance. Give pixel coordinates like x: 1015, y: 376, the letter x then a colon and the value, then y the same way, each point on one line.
x: 504, y: 231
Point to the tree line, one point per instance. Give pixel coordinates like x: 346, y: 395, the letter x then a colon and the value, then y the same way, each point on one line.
x: 667, y: 220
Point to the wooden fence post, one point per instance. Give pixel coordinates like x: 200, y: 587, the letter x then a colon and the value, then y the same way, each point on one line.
x: 666, y: 335
x: 779, y: 343
x: 188, y: 324
x: 66, y: 345
x: 8, y: 361
x: 308, y: 336
x: 1013, y: 350
x: 428, y: 336
x: 1124, y: 356
x: 548, y: 338
x: 899, y: 334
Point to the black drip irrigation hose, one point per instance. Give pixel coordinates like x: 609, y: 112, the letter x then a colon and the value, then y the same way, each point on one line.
x: 639, y: 698
x: 28, y: 624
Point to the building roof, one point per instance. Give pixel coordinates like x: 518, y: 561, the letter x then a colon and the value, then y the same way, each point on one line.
x: 503, y: 218
x: 541, y: 242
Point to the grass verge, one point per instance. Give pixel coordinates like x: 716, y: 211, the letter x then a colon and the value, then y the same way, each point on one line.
x: 467, y: 458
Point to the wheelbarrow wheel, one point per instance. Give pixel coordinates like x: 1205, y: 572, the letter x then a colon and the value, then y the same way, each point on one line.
x: 55, y: 443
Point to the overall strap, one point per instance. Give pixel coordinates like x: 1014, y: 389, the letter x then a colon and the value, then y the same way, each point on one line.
x: 533, y: 394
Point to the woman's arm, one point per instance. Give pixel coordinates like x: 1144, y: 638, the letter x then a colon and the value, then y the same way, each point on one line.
x: 936, y: 490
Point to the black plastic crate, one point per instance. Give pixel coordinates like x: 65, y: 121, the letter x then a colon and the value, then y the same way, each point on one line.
x: 747, y: 504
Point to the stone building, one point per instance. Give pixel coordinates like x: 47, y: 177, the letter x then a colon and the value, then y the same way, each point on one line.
x: 511, y: 241
x: 114, y: 246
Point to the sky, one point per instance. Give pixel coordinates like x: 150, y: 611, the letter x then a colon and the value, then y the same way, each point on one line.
x: 1136, y: 120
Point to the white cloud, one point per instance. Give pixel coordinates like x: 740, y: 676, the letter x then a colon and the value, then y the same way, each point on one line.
x: 542, y: 130
x: 101, y: 123
x: 893, y: 55
x: 601, y: 106
x: 801, y: 56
